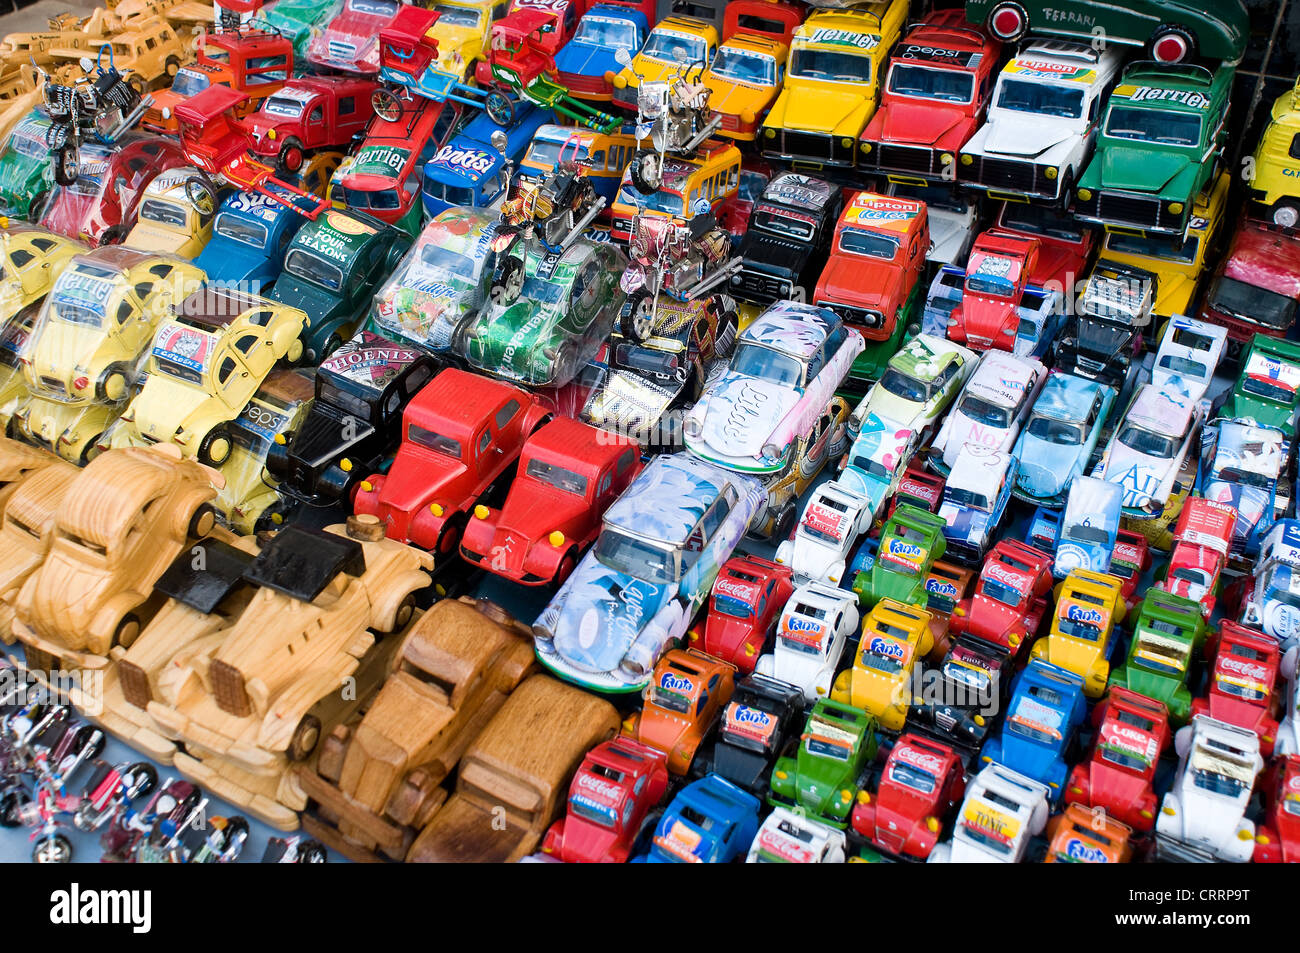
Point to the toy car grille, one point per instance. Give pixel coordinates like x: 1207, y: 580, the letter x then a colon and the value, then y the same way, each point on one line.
x: 1129, y: 209
x: 53, y: 384
x: 341, y: 51
x: 228, y: 688
x: 807, y: 145
x: 759, y: 287
x: 905, y: 158
x: 1005, y: 174
x: 135, y: 683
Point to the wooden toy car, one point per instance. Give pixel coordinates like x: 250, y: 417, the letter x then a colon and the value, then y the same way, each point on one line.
x: 92, y: 591
x: 1080, y: 836
x: 378, y: 779
x: 256, y: 697
x: 29, y: 506
x: 147, y: 49
x: 744, y: 607
x: 310, y: 113
x: 568, y: 475
x: 686, y: 695
x: 922, y: 781
x: 520, y: 765
x: 462, y: 432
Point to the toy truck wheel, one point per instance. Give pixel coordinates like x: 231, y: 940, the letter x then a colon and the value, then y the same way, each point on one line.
x: 173, y: 66
x: 305, y: 738
x: 55, y: 849
x: 136, y: 82
x: 67, y: 165
x: 449, y: 538
x: 291, y: 154
x: 784, y: 521
x: 637, y: 318
x: 646, y: 171
x: 1172, y: 44
x: 1286, y: 213
x: 311, y: 852
x: 127, y: 631
x: 201, y: 522
x: 215, y: 448
x: 1008, y: 21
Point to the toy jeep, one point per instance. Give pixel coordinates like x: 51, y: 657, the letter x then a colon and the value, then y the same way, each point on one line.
x: 787, y: 239
x: 308, y: 114
x: 831, y: 765
x: 354, y: 421
x: 762, y: 719
x: 911, y: 541
x: 1166, y: 638
x: 687, y: 692
x: 147, y: 49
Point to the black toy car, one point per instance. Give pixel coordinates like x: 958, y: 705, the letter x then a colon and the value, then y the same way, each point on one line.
x: 788, y: 239
x: 971, y: 691
x: 764, y: 717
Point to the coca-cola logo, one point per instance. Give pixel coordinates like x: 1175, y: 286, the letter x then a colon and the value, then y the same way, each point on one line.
x: 995, y: 572
x: 923, y: 760
x: 1245, y: 669
x: 738, y: 590
x: 597, y: 786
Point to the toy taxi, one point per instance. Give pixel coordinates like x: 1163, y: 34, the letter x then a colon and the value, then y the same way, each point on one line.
x: 1202, y: 539
x: 1010, y: 600
x: 710, y: 821
x: 1202, y: 818
x: 26, y: 173
x: 584, y: 66
x: 744, y: 607
x: 1076, y: 836
x: 747, y: 71
x: 1088, y: 609
x: 1167, y: 635
x: 1057, y: 443
x: 1147, y: 454
x: 687, y: 693
x: 568, y: 475
x: 787, y: 238
x: 1002, y: 811
x: 1244, y: 683
x: 1047, y: 707
x: 250, y: 235
x: 911, y: 540
x: 676, y: 45
x: 1119, y: 775
x: 831, y: 763
x: 1041, y: 123
x: 834, y: 519
x: 168, y: 221
x: 922, y: 781
x: 832, y: 84
x: 1274, y: 172
x: 811, y: 635
x: 895, y: 637
x: 975, y: 499
x: 310, y: 113
x: 651, y: 568
x: 1241, y: 467
x: 1267, y: 391
x: 790, y: 838
x: 991, y: 408
x: 873, y: 277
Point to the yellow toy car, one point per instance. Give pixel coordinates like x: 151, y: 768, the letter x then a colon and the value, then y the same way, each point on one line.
x: 894, y: 637
x: 1274, y: 175
x: 207, y: 362
x: 712, y: 174
x: 83, y: 354
x: 169, y: 221
x: 678, y: 44
x: 145, y: 50
x: 1089, y: 605
x: 832, y: 84
x: 1179, y: 264
x: 744, y: 81
x: 462, y: 32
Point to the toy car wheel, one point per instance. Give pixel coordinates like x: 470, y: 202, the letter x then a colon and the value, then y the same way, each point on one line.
x: 305, y: 738
x: 127, y: 631
x: 1008, y: 21
x: 55, y: 849
x: 566, y: 567
x: 113, y: 235
x: 311, y: 852
x: 173, y: 66
x: 637, y: 318
x: 499, y: 108
x: 784, y: 521
x: 1172, y: 44
x: 36, y: 208
x: 449, y: 538
x: 10, y: 805
x: 402, y: 614
x: 386, y: 104
x: 1286, y: 214
x: 508, y: 281
x: 201, y: 523
x: 216, y: 447
x: 291, y: 155
x: 136, y: 82
x: 646, y: 170
x: 67, y: 164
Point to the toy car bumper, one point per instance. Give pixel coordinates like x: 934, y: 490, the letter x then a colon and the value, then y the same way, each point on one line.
x: 1012, y: 180
x: 1133, y: 212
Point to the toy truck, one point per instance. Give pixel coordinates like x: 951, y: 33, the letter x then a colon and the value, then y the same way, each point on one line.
x: 1272, y: 178
x: 1256, y: 288
x: 787, y: 239
x: 1267, y: 391
x: 310, y: 113
x: 1166, y: 637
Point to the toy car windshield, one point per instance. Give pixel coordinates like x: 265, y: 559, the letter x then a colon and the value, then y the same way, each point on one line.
x: 300, y: 563
x: 203, y: 575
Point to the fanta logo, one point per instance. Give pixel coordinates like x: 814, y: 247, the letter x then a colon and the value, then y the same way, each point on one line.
x: 751, y: 716
x: 469, y: 160
x: 1079, y: 614
x: 900, y: 548
x: 886, y: 647
x: 675, y: 683
x: 1078, y: 850
x: 940, y: 588
x: 797, y: 624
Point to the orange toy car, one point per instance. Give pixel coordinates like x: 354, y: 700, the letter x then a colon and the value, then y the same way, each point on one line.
x: 1080, y: 835
x: 686, y: 693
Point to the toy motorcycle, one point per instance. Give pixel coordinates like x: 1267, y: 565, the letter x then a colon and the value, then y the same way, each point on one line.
x: 680, y: 259
x: 222, y: 844
x: 165, y: 842
x: 674, y: 115
x: 101, y: 109
x: 110, y: 790
x: 555, y: 208
x: 293, y: 850
x: 175, y: 802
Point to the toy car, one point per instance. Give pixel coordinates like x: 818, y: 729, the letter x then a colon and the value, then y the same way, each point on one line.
x: 1089, y: 527
x: 1047, y: 707
x: 895, y: 637
x: 146, y: 47
x: 687, y: 693
x: 1010, y: 599
x: 1254, y: 291
x: 790, y: 838
x: 1132, y: 732
x: 911, y: 540
x: 468, y: 170
x: 914, y: 392
x: 1241, y: 467
x: 250, y: 235
x: 973, y: 684
x: 1267, y: 391
x: 975, y: 499
x: 26, y: 174
x: 744, y: 607
x: 991, y: 407
x: 584, y: 64
x: 1271, y: 601
x: 833, y: 520
x: 1146, y: 455
x: 1000, y: 814
x: 1076, y: 836
x: 922, y: 781
x: 763, y: 718
x: 748, y: 69
x: 830, y: 766
x: 651, y: 568
x: 1202, y: 818
x: 787, y: 239
x: 1168, y: 633
x: 674, y: 45
x: 991, y: 303
x: 1065, y: 246
x: 810, y: 638
x: 611, y: 799
x: 169, y: 221
x: 1274, y: 167
x: 1275, y: 840
x: 310, y: 113
x: 1244, y: 683
x: 1057, y: 443
x: 350, y: 41
x: 1088, y: 609
x: 1202, y: 540
x: 710, y: 821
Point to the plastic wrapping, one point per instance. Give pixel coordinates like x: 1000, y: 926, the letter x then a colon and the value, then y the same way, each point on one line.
x: 26, y: 172
x: 300, y: 20
x: 350, y: 39
x: 168, y: 220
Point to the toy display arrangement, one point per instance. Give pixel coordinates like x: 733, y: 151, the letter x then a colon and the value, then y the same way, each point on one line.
x: 575, y: 431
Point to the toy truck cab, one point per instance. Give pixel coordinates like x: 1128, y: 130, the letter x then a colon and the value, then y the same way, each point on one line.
x: 1010, y: 598
x: 308, y: 113
x: 1088, y: 608
x: 787, y: 239
x: 758, y: 724
x: 997, y: 276
x: 354, y: 421
x: 1276, y: 167
x: 936, y: 92
x: 830, y: 765
x: 922, y: 780
x: 810, y: 638
x: 1267, y: 391
x: 1001, y: 812
x: 910, y: 542
x: 1119, y: 776
x: 1203, y: 817
x: 1047, y: 706
x: 744, y: 606
x: 469, y: 170
x: 1166, y: 637
x: 832, y: 84
x: 895, y: 637
x: 250, y: 235
x: 1042, y: 122
x: 584, y: 66
x: 1256, y: 288
x: 747, y: 72
x: 1203, y: 538
x: 687, y: 692
x: 710, y: 821
x: 1243, y: 683
x: 350, y: 41
x: 675, y: 46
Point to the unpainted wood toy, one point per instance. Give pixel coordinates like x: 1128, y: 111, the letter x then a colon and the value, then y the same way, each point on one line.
x: 27, y: 528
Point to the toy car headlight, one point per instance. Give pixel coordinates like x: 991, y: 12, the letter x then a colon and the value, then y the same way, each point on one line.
x: 773, y: 451
x: 167, y: 112
x: 693, y: 426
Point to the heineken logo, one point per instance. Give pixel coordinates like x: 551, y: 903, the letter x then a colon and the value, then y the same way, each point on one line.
x: 862, y: 41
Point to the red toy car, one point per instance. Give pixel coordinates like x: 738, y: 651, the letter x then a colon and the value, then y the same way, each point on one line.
x: 935, y: 95
x: 1257, y: 285
x: 350, y: 41
x: 101, y: 206
x: 460, y: 434
x: 617, y: 784
x: 919, y: 487
x: 1202, y: 539
x: 1277, y: 840
x: 997, y: 275
x: 310, y: 113
x: 1133, y: 730
x: 569, y: 474
x: 1131, y: 558
x: 922, y: 780
x: 1065, y: 246
x: 1243, y: 683
x: 1010, y: 598
x: 746, y: 603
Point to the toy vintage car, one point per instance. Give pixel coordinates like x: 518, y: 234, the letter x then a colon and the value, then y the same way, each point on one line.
x: 1244, y: 683
x: 744, y: 606
x: 922, y: 781
x: 710, y: 821
x: 975, y: 499
x: 1167, y: 635
x: 1202, y: 537
x: 250, y: 235
x: 1088, y: 609
x: 1002, y: 811
x: 92, y: 591
x: 27, y: 530
x: 687, y: 693
x: 974, y: 682
x: 31, y: 261
x: 651, y: 568
x: 1146, y: 455
x: 146, y: 47
x: 834, y: 518
x: 586, y: 64
x: 990, y: 304
x: 354, y: 422
x: 206, y: 363
x: 920, y: 382
x: 790, y: 838
x: 611, y: 803
x: 26, y: 173
x: 1275, y: 840
x: 810, y: 638
x: 747, y: 72
x: 1047, y: 706
x: 911, y: 540
x: 674, y: 45
x: 1010, y: 599
x: 991, y: 407
x: 763, y: 718
x: 895, y: 637
x: 169, y: 221
x: 1202, y: 817
x: 787, y: 238
x: 1056, y: 445
x: 310, y: 113
x: 831, y: 764
x: 1077, y: 836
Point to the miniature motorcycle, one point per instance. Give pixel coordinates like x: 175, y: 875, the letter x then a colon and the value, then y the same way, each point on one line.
x: 165, y: 842
x: 680, y: 259
x: 99, y: 110
x: 293, y: 850
x: 223, y: 842
x: 174, y: 802
x: 555, y: 208
x: 674, y: 115
x: 46, y: 807
x: 110, y: 790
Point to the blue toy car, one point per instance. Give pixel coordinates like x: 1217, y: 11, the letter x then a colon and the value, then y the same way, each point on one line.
x: 1047, y: 706
x: 711, y: 821
x: 1060, y: 436
x: 249, y: 238
x: 1241, y: 465
x: 468, y: 171
x: 585, y: 61
x: 1085, y: 538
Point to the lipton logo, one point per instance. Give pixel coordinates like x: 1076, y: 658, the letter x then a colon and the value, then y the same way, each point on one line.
x: 1086, y: 853
x: 887, y: 648
x: 1080, y: 614
x: 675, y: 683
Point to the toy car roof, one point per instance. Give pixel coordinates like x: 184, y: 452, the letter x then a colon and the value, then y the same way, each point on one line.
x: 795, y: 188
x: 1142, y: 78
x: 793, y: 329
x: 1003, y: 378
x: 1066, y: 397
x: 120, y: 257
x: 300, y: 563
x: 1160, y: 411
x: 978, y: 469
x: 460, y: 402
x: 702, y: 481
x: 204, y: 574
x: 212, y: 102
x: 370, y: 362
x: 409, y: 26
x: 1072, y: 59
x: 574, y: 445
x: 817, y: 595
x: 214, y: 307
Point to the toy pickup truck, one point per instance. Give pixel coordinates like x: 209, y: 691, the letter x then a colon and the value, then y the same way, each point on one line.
x: 1244, y: 683
x: 922, y: 781
x: 787, y: 239
x: 1256, y: 288
x: 831, y: 765
x: 1166, y: 637
x: 1267, y: 391
x: 763, y: 718
x: 1003, y: 810
x: 310, y: 113
x: 512, y: 781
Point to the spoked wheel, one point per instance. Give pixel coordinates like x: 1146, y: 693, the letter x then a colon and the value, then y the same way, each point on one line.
x: 646, y: 171
x: 499, y: 108
x: 201, y: 194
x: 386, y: 104
x: 54, y: 849
x: 508, y: 281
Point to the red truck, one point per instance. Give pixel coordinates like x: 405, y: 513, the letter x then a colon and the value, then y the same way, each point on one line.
x: 1010, y: 597
x: 1257, y: 285
x: 310, y: 113
x: 1202, y: 539
x: 1243, y: 683
x: 252, y: 61
x: 460, y: 434
x: 936, y: 93
x: 997, y: 274
x: 569, y: 474
x: 744, y: 607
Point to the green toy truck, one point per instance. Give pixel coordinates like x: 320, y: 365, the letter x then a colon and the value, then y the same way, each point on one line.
x: 831, y: 763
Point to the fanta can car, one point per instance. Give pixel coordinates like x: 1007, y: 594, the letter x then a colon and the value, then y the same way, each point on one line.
x: 686, y: 694
x: 831, y: 764
x: 790, y: 838
x: 895, y: 637
x: 1119, y: 775
x: 1079, y: 836
x: 911, y: 541
x: 1088, y: 608
x: 1047, y: 707
x: 810, y: 638
x: 922, y: 781
x: 744, y: 606
x: 710, y: 821
x: 1003, y: 810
